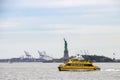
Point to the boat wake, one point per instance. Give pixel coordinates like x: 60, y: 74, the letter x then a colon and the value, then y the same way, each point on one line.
x: 110, y: 69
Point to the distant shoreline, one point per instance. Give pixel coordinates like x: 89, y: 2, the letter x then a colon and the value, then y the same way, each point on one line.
x: 93, y: 58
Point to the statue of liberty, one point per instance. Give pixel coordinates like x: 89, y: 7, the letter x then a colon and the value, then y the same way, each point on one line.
x: 66, y: 56
x: 65, y: 45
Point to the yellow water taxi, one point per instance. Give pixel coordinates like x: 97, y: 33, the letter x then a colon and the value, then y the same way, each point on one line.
x: 75, y: 64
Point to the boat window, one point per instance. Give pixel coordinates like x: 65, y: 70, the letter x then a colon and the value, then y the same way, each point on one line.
x: 76, y: 65
x: 67, y: 64
x: 73, y: 64
x: 87, y: 64
x: 80, y: 64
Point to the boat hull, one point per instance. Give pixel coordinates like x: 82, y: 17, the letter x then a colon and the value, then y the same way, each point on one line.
x: 77, y: 69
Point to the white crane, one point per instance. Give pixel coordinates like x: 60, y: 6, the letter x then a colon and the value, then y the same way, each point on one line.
x: 43, y: 56
x: 27, y: 54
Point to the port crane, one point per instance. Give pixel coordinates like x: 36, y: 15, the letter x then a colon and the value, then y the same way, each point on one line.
x: 43, y: 56
x: 27, y: 54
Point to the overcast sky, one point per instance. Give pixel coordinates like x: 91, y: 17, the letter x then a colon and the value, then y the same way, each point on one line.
x: 32, y: 25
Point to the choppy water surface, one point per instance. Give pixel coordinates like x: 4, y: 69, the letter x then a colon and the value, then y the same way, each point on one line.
x: 49, y: 71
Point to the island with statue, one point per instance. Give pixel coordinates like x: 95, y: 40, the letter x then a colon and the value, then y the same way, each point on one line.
x: 95, y: 58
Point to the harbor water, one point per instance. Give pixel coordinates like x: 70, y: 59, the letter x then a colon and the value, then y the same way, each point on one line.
x: 49, y: 71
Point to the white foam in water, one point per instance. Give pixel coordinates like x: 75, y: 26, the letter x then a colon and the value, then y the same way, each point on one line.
x: 111, y: 70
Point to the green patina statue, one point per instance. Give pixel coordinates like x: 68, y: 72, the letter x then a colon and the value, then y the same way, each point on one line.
x: 65, y: 45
